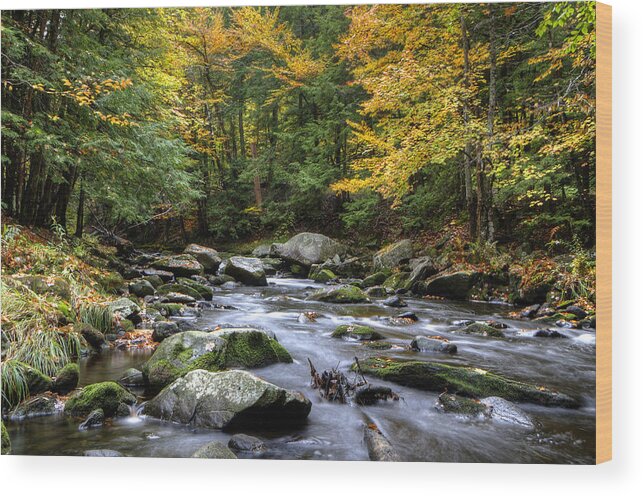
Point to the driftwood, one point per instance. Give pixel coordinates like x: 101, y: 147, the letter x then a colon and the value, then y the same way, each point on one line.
x: 333, y: 385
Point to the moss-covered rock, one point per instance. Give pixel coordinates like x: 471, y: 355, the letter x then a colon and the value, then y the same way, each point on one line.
x: 453, y: 403
x: 154, y: 280
x: 66, y: 379
x: 125, y: 308
x: 455, y: 286
x: 180, y: 265
x: 203, y: 290
x: 141, y: 288
x: 37, y: 406
x: 343, y: 294
x: 466, y: 381
x: 375, y: 279
x: 393, y: 255
x: 357, y: 332
x: 6, y: 440
x: 208, y: 257
x: 180, y: 289
x: 214, y: 351
x: 214, y: 449
x: 37, y: 382
x: 396, y: 281
x: 318, y: 274
x: 168, y: 309
x: 480, y: 329
x: 93, y: 336
x: 111, y: 397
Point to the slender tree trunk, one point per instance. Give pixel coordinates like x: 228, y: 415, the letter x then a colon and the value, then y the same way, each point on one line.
x: 468, y: 149
x: 257, y: 180
x: 80, y: 213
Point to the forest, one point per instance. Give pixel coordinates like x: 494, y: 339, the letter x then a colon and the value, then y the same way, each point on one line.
x: 415, y: 181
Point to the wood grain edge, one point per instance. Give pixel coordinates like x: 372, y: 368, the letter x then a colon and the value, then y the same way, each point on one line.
x: 603, y: 232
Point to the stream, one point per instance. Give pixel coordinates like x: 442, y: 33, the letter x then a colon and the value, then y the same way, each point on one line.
x: 335, y: 431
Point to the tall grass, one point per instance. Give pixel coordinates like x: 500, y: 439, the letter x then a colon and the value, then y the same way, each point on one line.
x: 98, y: 316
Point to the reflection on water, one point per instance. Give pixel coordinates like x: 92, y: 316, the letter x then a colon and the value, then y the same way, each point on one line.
x: 333, y: 431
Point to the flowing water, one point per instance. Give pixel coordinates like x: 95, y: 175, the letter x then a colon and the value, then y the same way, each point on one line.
x: 335, y: 431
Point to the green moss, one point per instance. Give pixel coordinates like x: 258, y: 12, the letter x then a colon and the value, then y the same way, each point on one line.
x: 452, y: 403
x: 481, y: 329
x: 111, y: 283
x: 359, y: 332
x: 396, y: 281
x: 466, y: 381
x: 344, y: 294
x: 253, y: 349
x: 106, y: 395
x: 6, y: 441
x: 67, y: 378
x: 36, y: 381
x: 378, y: 345
x: 179, y: 288
x: 322, y: 275
x: 168, y: 309
x: 203, y: 290
x: 376, y: 279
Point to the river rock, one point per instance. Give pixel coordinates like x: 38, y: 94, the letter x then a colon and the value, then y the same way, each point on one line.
x: 466, y: 381
x: 164, y: 275
x: 180, y: 298
x: 214, y: 449
x: 208, y: 257
x: 576, y: 311
x: 246, y: 270
x: 95, y: 419
x: 453, y: 403
x: 376, y: 291
x: 66, y: 379
x: 166, y: 289
x: 262, y: 251
x: 379, y: 448
x: 204, y: 291
x: 309, y: 248
x: 141, y: 288
x: 38, y: 406
x: 132, y: 378
x: 455, y: 286
x: 480, y: 329
x: 396, y: 281
x: 219, y: 399
x: 243, y: 442
x: 212, y: 351
x: 356, y: 332
x: 393, y: 255
x: 421, y: 269
x: 434, y: 344
x: 155, y: 280
x: 111, y: 397
x: 103, y: 452
x: 94, y: 337
x: 126, y: 308
x: 394, y: 301
x: 505, y: 411
x: 163, y: 330
x: 37, y: 382
x: 548, y: 333
x: 318, y: 274
x: 530, y: 312
x: 375, y: 279
x: 342, y: 294
x: 180, y: 265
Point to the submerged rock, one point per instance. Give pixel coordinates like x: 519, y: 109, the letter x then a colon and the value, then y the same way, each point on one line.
x: 452, y: 403
x: 392, y: 255
x: 309, y: 248
x: 111, y: 397
x: 219, y: 399
x: 342, y: 294
x: 435, y: 344
x: 180, y: 265
x: 466, y: 381
x: 548, y: 333
x: 95, y: 419
x: 208, y: 257
x: 243, y: 442
x: 357, y: 332
x: 246, y: 270
x: 212, y: 351
x: 214, y: 449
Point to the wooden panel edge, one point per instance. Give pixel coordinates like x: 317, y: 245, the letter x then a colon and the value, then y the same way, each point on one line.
x: 603, y: 232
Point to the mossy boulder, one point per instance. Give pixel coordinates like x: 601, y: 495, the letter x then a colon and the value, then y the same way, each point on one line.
x: 168, y: 309
x: 208, y: 257
x: 318, y: 274
x: 154, y: 280
x: 218, y: 400
x: 214, y: 351
x: 163, y: 330
x: 393, y: 255
x: 357, y: 332
x: 481, y: 329
x: 342, y: 294
x: 247, y: 270
x: 6, y: 440
x: 396, y: 281
x: 466, y: 381
x: 453, y: 403
x: 93, y: 336
x: 214, y: 449
x: 166, y: 289
x: 111, y: 397
x: 454, y: 286
x: 36, y: 381
x: 376, y: 279
x: 66, y: 379
x: 141, y: 288
x: 203, y: 290
x: 377, y: 291
x: 180, y: 265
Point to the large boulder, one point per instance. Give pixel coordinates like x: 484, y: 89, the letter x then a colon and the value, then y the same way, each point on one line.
x: 141, y: 287
x: 220, y: 399
x: 203, y: 290
x: 309, y: 248
x: 393, y: 255
x: 342, y: 294
x: 247, y: 270
x: 180, y: 265
x: 166, y: 289
x: 455, y: 286
x: 466, y: 381
x: 208, y: 257
x: 125, y: 307
x: 212, y: 351
x: 93, y: 336
x: 111, y: 397
x: 214, y: 449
